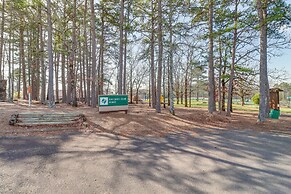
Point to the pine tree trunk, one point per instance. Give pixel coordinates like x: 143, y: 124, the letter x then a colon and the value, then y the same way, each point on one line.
x: 73, y: 58
x: 178, y: 90
x: 51, y: 100
x: 2, y: 36
x: 181, y: 93
x: 153, y: 74
x: 190, y: 88
x: 164, y: 84
x: 169, y: 95
x: 121, y: 43
x: 211, y: 80
x: 197, y: 89
x: 80, y: 60
x: 19, y: 76
x: 33, y: 72
x: 220, y: 76
x: 43, y: 68
x: 264, y: 83
x: 93, y: 34
x: 101, y: 57
x: 223, y: 83
x: 88, y: 72
x: 160, y: 58
x: 131, y: 84
x: 37, y: 60
x: 13, y: 70
x: 23, y: 66
x: 10, y: 96
x: 63, y: 72
x: 233, y: 53
x: 186, y: 89
x: 71, y: 89
x: 57, y: 76
x: 125, y: 48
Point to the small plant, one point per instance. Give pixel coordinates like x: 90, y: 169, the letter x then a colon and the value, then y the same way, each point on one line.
x: 256, y: 98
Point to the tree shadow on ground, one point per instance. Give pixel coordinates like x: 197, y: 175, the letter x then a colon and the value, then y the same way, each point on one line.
x: 231, y: 161
x: 239, y: 160
x: 15, y: 148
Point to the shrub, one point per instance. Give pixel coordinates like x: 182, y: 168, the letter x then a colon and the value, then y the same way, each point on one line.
x: 256, y: 98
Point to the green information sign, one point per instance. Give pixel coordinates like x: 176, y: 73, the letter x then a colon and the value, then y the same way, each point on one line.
x: 109, y: 103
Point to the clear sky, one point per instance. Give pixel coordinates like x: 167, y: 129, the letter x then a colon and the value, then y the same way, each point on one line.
x: 283, y: 61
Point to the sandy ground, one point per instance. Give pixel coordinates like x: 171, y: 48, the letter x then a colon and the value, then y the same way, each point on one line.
x: 144, y: 121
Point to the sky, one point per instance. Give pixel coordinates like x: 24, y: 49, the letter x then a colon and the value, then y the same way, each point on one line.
x: 283, y: 61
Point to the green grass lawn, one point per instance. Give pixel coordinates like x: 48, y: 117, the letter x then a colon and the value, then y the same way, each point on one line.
x: 236, y: 106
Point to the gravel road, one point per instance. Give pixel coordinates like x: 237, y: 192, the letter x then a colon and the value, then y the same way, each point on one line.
x: 216, y: 161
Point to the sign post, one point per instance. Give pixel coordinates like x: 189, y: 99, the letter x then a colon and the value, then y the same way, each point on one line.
x: 110, y: 103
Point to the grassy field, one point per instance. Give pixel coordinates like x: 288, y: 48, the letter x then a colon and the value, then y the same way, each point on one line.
x: 236, y: 106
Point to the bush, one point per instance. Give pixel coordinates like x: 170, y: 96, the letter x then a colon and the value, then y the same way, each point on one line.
x: 256, y: 98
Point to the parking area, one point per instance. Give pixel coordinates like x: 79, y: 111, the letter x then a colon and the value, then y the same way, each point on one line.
x: 215, y: 161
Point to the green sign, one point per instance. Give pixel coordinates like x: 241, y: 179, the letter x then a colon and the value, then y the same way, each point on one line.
x: 112, y: 100
x: 289, y: 97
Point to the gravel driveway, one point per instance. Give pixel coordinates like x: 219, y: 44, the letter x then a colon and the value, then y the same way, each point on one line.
x: 216, y: 161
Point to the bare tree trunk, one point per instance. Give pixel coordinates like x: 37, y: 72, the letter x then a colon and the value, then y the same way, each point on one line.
x: 136, y: 100
x: 264, y: 83
x: 89, y: 75
x: 43, y: 68
x: 223, y: 82
x: 29, y: 65
x: 34, y: 71
x: 220, y: 76
x: 189, y: 58
x: 13, y: 70
x: 51, y: 100
x: 131, y: 84
x: 93, y: 33
x: 64, y: 93
x: 178, y: 90
x: 181, y: 93
x: 164, y: 84
x: 150, y: 103
x: 71, y: 95
x: 125, y: 48
x: 190, y: 87
x: 153, y: 74
x: 72, y: 61
x: 23, y: 66
x: 37, y: 59
x: 57, y: 76
x: 242, y: 100
x: 19, y: 76
x: 10, y: 96
x: 197, y: 89
x: 168, y: 80
x: 80, y: 61
x: 160, y: 58
x: 2, y: 37
x: 85, y: 53
x: 211, y: 80
x: 121, y: 43
x: 230, y: 85
x: 64, y: 89
x: 101, y: 57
